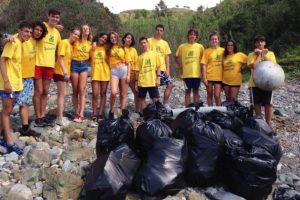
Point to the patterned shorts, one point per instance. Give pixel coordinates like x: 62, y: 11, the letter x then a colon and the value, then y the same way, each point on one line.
x: 13, y: 95
x: 27, y: 93
x: 164, y: 79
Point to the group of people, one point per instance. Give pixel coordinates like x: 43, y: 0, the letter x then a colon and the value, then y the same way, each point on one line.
x: 37, y: 54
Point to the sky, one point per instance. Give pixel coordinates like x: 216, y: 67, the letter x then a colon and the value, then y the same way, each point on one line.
x: 117, y: 6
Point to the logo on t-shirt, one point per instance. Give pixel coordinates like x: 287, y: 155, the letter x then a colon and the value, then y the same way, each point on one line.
x: 99, y: 54
x: 51, y: 38
x: 83, y: 48
x: 191, y: 54
x: 158, y: 49
x: 148, y: 62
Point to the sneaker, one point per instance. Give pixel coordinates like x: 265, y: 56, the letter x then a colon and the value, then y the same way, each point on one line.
x: 94, y: 118
x: 59, y: 122
x: 29, y: 133
x: 15, y: 148
x: 78, y: 119
x: 100, y: 118
x: 168, y: 107
x: 39, y: 122
x: 47, y: 121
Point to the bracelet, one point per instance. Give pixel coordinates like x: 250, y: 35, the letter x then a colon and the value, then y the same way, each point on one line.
x: 157, y: 75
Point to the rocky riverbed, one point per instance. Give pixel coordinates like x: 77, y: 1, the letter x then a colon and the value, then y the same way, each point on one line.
x: 54, y: 166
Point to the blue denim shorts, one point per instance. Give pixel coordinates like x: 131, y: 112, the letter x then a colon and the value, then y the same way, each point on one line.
x: 13, y: 95
x: 26, y: 95
x: 119, y: 72
x: 79, y: 66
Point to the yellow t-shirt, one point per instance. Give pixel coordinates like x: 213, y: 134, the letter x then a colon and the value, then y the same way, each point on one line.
x: 162, y: 48
x: 65, y: 50
x: 13, y: 51
x: 212, y: 58
x: 81, y: 50
x: 190, y: 56
x: 232, y: 68
x: 117, y: 55
x: 28, y: 58
x: 100, y: 69
x: 148, y: 63
x: 134, y: 56
x: 251, y: 58
x: 46, y: 47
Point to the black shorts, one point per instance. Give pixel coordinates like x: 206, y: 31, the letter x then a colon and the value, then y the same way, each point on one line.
x: 153, y: 92
x: 215, y: 82
x: 261, y: 97
x: 192, y: 83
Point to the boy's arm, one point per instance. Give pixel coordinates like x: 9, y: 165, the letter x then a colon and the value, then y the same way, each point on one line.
x: 203, y: 71
x: 179, y: 64
x: 7, y: 86
x: 167, y: 61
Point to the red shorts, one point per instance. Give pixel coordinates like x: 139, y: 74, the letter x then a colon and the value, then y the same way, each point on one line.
x: 58, y: 77
x: 43, y: 72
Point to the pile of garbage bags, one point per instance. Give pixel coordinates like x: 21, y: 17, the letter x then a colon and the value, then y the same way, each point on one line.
x: 164, y: 155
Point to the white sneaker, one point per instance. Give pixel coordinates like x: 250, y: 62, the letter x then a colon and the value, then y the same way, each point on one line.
x: 168, y: 107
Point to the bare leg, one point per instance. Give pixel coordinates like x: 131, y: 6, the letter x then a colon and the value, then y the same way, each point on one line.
x: 132, y: 86
x: 209, y: 90
x: 114, y: 83
x: 81, y: 91
x: 95, y: 91
x: 74, y: 81
x: 196, y: 95
x: 103, y: 90
x: 38, y: 91
x: 217, y: 93
x: 226, y: 89
x: 234, y: 93
x: 167, y: 93
x: 268, y: 113
x: 187, y: 96
x: 123, y: 93
x: 46, y: 85
x: 62, y: 91
x: 7, y: 107
x: 24, y: 114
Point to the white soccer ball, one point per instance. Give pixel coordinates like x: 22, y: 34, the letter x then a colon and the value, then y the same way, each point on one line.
x: 268, y: 76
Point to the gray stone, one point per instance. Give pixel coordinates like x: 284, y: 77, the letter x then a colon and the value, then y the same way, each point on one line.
x: 11, y: 157
x: 20, y: 192
x: 38, y: 154
x: 62, y: 186
x: 79, y: 153
x: 30, y: 176
x: 67, y: 166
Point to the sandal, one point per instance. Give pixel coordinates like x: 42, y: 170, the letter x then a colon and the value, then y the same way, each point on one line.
x: 78, y: 119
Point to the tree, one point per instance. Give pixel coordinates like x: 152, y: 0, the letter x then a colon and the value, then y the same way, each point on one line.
x: 161, y: 9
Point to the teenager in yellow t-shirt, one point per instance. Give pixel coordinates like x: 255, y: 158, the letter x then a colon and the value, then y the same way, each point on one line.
x: 232, y: 70
x: 62, y: 71
x: 100, y: 75
x: 257, y: 96
x: 11, y: 83
x: 119, y: 63
x: 188, y: 57
x: 148, y: 74
x: 39, y: 31
x: 156, y: 43
x: 212, y: 70
x: 44, y: 69
x: 129, y: 42
x: 79, y: 71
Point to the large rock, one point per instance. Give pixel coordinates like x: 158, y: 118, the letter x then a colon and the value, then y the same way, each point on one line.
x: 79, y: 153
x: 20, y: 192
x: 63, y: 185
x: 38, y: 154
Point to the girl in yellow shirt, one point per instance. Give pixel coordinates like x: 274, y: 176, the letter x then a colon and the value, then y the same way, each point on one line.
x: 212, y: 70
x: 62, y: 71
x: 119, y: 63
x: 129, y: 42
x: 232, y: 70
x: 100, y: 75
x: 79, y: 68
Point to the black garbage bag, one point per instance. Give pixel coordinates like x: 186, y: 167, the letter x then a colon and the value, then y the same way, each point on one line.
x: 162, y: 171
x: 112, y: 133
x: 249, y: 173
x: 252, y: 137
x: 259, y: 124
x: 225, y: 120
x: 156, y: 111
x: 238, y: 110
x: 232, y: 140
x: 184, y: 122
x: 149, y: 132
x: 112, y: 174
x: 205, y: 145
x: 286, y: 192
